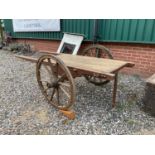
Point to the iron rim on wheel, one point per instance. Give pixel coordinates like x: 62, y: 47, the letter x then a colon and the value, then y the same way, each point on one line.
x: 98, y: 51
x: 55, y: 81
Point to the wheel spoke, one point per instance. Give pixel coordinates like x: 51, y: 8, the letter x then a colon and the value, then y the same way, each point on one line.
x: 57, y: 70
x: 64, y: 84
x: 45, y: 90
x: 62, y: 78
x: 57, y: 89
x: 48, y: 85
x: 53, y: 92
x: 44, y: 81
x: 91, y: 53
x: 48, y: 70
x: 52, y: 70
x: 97, y: 51
x: 93, y: 78
x: 64, y: 91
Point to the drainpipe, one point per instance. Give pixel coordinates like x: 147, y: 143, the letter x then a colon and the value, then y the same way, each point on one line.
x: 95, y: 37
x: 1, y: 29
x: 95, y: 31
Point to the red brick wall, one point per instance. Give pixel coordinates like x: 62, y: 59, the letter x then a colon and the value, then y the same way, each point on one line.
x: 41, y: 45
x: 142, y: 55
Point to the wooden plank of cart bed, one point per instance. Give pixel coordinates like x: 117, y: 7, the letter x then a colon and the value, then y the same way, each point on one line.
x: 110, y: 76
x: 98, y: 64
x: 27, y: 58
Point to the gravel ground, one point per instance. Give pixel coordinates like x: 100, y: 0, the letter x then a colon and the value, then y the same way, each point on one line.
x: 23, y: 109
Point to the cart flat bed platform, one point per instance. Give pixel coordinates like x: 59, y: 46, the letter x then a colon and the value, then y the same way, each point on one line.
x: 107, y: 67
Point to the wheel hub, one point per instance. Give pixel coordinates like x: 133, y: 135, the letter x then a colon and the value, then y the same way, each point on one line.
x: 54, y: 84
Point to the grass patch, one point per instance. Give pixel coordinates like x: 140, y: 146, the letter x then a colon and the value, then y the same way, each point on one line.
x: 131, y: 122
x: 126, y: 105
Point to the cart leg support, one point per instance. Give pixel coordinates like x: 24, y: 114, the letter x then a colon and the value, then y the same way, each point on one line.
x: 115, y: 90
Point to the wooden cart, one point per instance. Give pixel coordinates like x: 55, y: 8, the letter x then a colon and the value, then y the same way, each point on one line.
x: 55, y: 74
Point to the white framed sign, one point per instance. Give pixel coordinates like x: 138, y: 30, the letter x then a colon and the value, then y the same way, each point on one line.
x: 36, y: 25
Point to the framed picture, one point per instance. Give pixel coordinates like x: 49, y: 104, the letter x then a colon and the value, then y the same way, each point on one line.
x: 70, y: 43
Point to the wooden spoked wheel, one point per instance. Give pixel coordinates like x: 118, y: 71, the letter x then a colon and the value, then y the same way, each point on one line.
x: 55, y: 82
x: 98, y: 51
